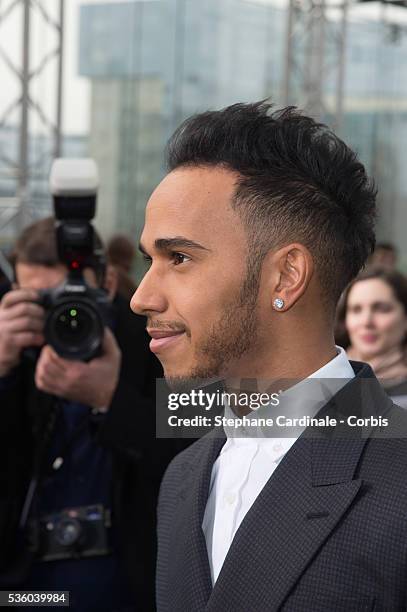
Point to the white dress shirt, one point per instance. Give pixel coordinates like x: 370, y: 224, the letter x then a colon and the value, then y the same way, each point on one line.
x: 245, y: 464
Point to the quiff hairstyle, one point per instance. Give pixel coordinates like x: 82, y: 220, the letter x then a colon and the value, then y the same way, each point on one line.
x: 296, y: 182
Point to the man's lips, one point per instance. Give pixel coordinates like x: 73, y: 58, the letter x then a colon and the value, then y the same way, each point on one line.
x: 162, y: 338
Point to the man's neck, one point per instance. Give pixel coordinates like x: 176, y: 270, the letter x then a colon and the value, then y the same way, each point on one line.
x: 271, y: 380
x: 279, y: 365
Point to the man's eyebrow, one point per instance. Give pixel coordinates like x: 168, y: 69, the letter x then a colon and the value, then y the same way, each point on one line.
x: 178, y: 242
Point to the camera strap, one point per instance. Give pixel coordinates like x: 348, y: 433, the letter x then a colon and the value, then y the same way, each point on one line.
x: 79, y: 428
x: 39, y: 473
x: 38, y: 461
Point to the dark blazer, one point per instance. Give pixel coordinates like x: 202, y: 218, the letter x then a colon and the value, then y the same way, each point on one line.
x: 328, y: 532
x: 128, y: 430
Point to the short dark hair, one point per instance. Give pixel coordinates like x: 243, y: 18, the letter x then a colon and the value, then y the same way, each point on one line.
x: 395, y: 280
x: 121, y: 251
x: 37, y: 245
x: 386, y: 246
x: 298, y: 182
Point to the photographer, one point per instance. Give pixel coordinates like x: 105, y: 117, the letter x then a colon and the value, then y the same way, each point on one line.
x: 80, y: 466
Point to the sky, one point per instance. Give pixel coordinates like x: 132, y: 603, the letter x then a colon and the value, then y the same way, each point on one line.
x: 76, y: 89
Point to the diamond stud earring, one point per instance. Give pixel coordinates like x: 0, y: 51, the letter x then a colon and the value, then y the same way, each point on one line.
x: 278, y: 303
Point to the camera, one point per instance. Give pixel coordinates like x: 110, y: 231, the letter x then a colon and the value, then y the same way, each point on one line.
x: 76, y: 312
x: 72, y: 533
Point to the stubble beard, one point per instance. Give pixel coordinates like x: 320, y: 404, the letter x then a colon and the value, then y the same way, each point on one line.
x: 229, y: 339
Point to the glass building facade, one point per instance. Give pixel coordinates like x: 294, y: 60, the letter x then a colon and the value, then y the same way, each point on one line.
x: 148, y: 64
x: 153, y: 63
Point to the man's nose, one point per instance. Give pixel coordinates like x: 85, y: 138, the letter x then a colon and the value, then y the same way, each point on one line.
x: 148, y: 297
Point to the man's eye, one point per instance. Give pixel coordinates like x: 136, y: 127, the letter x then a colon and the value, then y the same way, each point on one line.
x: 179, y: 258
x: 147, y: 259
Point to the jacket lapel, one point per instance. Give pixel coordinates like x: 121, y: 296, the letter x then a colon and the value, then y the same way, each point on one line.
x: 189, y: 574
x: 298, y: 508
x: 285, y: 527
x: 290, y: 520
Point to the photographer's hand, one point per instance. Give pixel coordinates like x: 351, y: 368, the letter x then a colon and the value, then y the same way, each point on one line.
x: 92, y: 383
x: 21, y: 326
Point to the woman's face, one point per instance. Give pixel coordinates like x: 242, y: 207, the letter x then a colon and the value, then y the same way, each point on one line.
x: 375, y: 319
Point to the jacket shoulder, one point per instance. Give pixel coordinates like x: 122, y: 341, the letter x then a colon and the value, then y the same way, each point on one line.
x: 183, y: 462
x: 385, y: 456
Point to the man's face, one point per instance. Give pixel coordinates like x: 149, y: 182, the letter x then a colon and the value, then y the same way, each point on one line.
x: 34, y: 276
x: 201, y: 316
x: 384, y: 258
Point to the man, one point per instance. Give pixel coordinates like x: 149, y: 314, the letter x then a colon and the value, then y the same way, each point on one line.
x: 261, y: 222
x: 384, y: 256
x: 75, y: 436
x: 120, y: 254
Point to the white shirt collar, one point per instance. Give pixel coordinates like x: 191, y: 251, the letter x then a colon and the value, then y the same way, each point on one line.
x: 306, y: 397
x: 338, y: 367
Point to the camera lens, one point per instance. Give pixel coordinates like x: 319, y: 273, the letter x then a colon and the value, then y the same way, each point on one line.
x: 68, y: 531
x: 73, y: 325
x: 75, y: 329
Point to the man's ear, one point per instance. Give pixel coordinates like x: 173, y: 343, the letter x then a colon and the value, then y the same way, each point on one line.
x: 111, y: 281
x: 293, y: 269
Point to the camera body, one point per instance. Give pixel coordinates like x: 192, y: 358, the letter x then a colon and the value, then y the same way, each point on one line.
x: 75, y: 321
x: 76, y: 312
x: 72, y: 533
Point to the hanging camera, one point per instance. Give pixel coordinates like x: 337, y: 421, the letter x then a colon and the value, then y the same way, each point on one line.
x: 76, y: 312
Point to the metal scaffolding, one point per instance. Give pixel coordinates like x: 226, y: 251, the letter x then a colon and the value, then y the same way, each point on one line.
x: 308, y: 60
x: 17, y: 211
x: 316, y: 52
